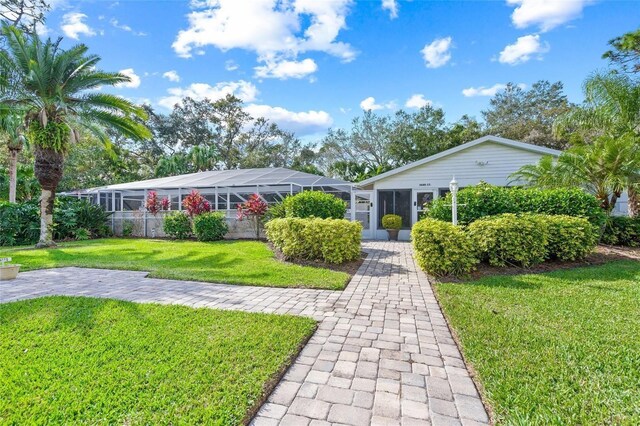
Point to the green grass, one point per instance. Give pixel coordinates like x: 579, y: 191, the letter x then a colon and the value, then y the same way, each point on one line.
x: 556, y: 348
x: 233, y: 262
x: 67, y: 360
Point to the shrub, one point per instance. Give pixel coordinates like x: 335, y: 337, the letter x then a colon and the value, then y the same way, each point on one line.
x: 176, y: 225
x: 275, y: 211
x: 82, y: 234
x: 622, y: 231
x: 510, y: 239
x: 330, y: 240
x: 210, y: 226
x: 487, y: 200
x: 315, y: 204
x: 569, y: 238
x: 442, y: 248
x: 195, y: 204
x: 127, y: 228
x: 391, y: 221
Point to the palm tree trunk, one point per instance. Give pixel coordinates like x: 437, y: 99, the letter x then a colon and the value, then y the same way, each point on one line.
x: 634, y: 202
x: 48, y: 169
x: 13, y: 174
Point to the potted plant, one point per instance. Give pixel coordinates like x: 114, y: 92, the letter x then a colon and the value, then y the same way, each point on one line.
x: 392, y: 223
x: 8, y: 272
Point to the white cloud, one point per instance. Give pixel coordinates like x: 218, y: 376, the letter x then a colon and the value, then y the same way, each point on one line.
x: 73, y: 25
x: 392, y: 7
x: 523, y: 49
x: 114, y: 22
x: 135, y: 79
x: 302, y: 123
x: 546, y: 14
x: 242, y: 89
x: 487, y: 91
x: 231, y: 65
x: 275, y: 30
x: 370, y: 104
x: 437, y: 54
x: 417, y: 101
x: 172, y: 76
x: 286, y: 69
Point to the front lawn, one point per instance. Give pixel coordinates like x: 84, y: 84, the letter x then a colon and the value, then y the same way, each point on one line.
x: 555, y: 348
x: 233, y: 262
x: 72, y: 360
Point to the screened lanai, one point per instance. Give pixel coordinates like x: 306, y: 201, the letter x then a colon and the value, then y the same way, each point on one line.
x: 224, y: 189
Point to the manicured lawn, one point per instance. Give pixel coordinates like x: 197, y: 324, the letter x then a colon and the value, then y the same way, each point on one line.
x: 67, y: 360
x: 233, y: 262
x: 557, y: 348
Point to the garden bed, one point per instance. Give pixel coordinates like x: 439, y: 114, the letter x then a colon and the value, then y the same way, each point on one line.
x: 80, y: 360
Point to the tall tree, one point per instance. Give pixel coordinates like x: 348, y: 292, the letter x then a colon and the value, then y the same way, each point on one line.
x: 12, y: 132
x: 528, y: 115
x: 625, y: 52
x: 54, y: 87
x: 23, y: 14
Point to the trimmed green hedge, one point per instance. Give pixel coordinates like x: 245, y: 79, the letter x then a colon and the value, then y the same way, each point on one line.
x: 177, y: 225
x: 329, y: 240
x: 569, y: 238
x: 391, y: 221
x: 20, y: 222
x: 484, y: 200
x: 622, y: 231
x: 442, y: 248
x: 315, y: 204
x: 211, y: 226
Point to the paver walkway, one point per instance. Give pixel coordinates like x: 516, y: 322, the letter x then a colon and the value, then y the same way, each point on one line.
x: 382, y: 354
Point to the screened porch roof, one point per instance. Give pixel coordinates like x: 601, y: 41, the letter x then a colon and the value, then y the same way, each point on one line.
x: 227, y: 178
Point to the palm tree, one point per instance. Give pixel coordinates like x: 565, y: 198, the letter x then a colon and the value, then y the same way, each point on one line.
x: 12, y: 132
x: 612, y: 109
x: 54, y: 88
x: 544, y: 174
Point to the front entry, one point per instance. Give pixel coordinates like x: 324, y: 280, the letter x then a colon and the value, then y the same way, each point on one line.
x: 361, y: 210
x: 421, y: 198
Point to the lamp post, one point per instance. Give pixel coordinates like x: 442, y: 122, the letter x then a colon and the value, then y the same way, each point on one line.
x: 453, y: 187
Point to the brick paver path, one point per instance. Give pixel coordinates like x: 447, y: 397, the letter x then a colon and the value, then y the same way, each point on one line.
x: 382, y: 354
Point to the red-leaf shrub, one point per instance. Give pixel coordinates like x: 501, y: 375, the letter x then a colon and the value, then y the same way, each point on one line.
x: 152, y: 204
x: 195, y: 204
x: 255, y: 207
x: 165, y: 203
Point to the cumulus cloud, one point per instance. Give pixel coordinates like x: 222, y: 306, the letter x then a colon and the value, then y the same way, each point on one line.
x: 287, y: 69
x: 392, y: 7
x: 487, y: 91
x: 546, y: 14
x: 135, y: 79
x: 370, y: 104
x: 417, y: 101
x: 436, y: 53
x: 73, y: 25
x: 276, y: 31
x: 523, y: 49
x: 172, y: 76
x: 302, y: 123
x: 241, y: 89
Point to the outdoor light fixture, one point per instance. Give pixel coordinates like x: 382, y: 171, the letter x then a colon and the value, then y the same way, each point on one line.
x: 453, y: 187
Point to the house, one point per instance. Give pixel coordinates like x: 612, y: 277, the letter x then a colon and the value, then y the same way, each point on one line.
x: 405, y: 190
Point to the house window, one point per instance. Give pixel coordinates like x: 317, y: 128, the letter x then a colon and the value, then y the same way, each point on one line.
x: 395, y: 202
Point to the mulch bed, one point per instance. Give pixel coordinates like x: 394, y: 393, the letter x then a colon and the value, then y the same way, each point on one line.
x: 602, y: 254
x: 349, y: 267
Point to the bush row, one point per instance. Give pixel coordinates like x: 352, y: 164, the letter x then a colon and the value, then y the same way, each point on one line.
x: 622, y: 231
x: 209, y: 226
x: 329, y: 240
x: 442, y: 248
x: 73, y: 218
x: 487, y: 200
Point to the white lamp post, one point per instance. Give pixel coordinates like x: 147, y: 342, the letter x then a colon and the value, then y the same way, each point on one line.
x: 453, y: 187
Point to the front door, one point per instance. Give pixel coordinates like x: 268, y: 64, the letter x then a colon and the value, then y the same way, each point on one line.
x: 421, y: 199
x: 361, y: 210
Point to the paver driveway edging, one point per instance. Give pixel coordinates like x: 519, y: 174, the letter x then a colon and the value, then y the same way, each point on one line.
x: 383, y: 353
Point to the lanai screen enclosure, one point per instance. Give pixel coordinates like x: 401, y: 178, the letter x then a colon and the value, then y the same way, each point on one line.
x: 224, y: 189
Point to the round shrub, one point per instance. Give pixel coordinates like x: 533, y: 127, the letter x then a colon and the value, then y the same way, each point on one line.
x: 210, y: 226
x: 487, y: 200
x: 315, y: 204
x: 509, y: 239
x: 442, y: 248
x: 570, y: 238
x: 177, y: 225
x: 275, y: 211
x: 622, y: 231
x: 391, y: 221
x: 329, y: 240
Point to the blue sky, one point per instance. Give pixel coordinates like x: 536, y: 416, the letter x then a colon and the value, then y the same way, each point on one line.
x: 314, y: 64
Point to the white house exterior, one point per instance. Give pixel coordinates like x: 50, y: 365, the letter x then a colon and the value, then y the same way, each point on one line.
x: 404, y: 190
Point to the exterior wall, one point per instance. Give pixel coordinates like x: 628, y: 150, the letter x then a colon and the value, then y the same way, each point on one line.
x: 488, y: 162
